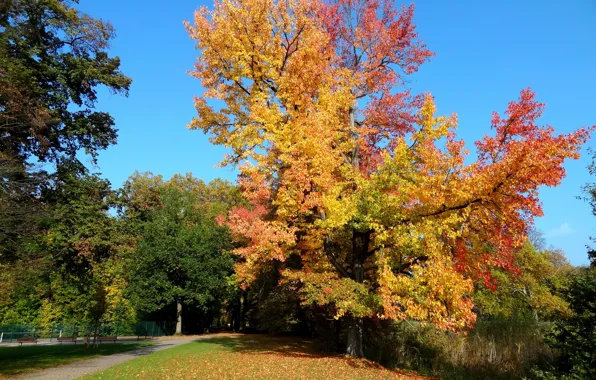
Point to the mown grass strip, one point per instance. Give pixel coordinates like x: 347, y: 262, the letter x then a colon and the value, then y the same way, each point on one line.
x: 16, y: 360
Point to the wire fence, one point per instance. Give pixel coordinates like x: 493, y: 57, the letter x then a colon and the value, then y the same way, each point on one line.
x: 143, y: 329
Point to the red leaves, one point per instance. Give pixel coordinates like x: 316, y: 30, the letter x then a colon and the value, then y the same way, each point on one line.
x: 521, y: 116
x: 518, y: 133
x: 368, y: 36
x: 377, y: 42
x: 385, y: 185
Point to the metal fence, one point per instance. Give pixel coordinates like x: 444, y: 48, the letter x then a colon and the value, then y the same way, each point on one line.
x: 142, y: 329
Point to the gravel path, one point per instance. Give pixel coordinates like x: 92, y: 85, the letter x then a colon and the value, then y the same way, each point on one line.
x: 85, y: 367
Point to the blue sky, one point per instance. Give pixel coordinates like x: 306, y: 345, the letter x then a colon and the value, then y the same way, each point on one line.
x: 487, y: 51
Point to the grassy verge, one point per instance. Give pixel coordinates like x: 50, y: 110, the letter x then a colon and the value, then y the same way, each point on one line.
x: 248, y: 357
x: 15, y: 360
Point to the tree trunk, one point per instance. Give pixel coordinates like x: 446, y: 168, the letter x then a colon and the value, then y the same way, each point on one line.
x: 241, y: 311
x: 354, y: 344
x: 237, y: 312
x: 360, y: 242
x: 178, y: 318
x: 356, y: 151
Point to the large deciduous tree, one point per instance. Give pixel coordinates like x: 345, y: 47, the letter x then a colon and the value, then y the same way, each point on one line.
x: 348, y: 170
x: 53, y: 58
x: 182, y: 257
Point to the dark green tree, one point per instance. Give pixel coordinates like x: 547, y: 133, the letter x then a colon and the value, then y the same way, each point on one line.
x: 53, y: 59
x: 78, y: 228
x: 576, y: 336
x: 70, y: 271
x: 182, y: 257
x: 20, y: 206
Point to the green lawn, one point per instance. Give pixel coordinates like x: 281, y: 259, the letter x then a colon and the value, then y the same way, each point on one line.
x: 14, y: 360
x: 248, y: 357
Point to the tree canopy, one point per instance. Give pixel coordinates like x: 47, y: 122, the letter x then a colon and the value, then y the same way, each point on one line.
x: 182, y: 254
x: 53, y: 57
x: 350, y: 171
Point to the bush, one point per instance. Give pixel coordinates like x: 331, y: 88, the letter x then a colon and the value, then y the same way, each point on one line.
x: 575, y: 337
x: 504, y: 348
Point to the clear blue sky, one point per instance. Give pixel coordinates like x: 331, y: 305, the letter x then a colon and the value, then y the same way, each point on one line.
x: 487, y: 51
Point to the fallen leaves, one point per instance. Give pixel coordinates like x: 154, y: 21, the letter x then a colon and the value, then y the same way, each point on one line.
x: 252, y: 357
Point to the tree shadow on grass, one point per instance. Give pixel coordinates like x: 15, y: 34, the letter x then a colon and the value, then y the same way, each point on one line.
x: 267, y: 344
x: 292, y: 347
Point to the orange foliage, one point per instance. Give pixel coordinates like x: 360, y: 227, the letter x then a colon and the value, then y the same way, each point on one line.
x: 350, y: 171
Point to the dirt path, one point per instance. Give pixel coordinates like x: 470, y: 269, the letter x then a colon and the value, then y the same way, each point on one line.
x: 85, y: 367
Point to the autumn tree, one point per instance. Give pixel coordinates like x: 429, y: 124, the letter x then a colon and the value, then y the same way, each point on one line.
x: 350, y: 172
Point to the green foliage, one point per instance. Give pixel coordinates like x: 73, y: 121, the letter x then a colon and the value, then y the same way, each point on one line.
x: 82, y: 243
x: 52, y: 60
x: 79, y: 229
x: 576, y: 336
x: 532, y: 291
x: 55, y: 232
x: 20, y: 206
x: 23, y: 290
x: 53, y: 57
x: 73, y: 270
x: 182, y: 253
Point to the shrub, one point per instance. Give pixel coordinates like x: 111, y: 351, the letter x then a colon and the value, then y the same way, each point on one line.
x: 575, y: 337
x: 502, y: 348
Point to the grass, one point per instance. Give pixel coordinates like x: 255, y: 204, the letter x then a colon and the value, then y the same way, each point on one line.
x: 249, y: 357
x: 21, y: 359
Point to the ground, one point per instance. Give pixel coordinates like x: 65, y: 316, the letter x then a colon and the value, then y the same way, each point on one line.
x: 23, y: 359
x: 249, y: 357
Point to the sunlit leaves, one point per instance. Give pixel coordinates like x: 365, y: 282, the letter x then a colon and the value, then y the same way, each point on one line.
x: 353, y: 174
